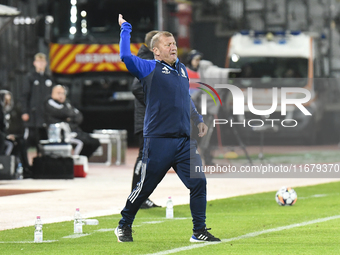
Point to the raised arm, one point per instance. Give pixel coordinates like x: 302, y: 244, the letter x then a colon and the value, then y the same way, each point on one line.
x: 137, y: 66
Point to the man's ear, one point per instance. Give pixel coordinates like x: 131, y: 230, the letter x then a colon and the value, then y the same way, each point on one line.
x: 155, y: 51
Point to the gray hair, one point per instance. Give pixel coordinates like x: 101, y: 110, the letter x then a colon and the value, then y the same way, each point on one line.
x: 148, y: 38
x: 155, y: 38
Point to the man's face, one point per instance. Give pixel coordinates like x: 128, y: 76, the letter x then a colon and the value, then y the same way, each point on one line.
x: 40, y: 64
x: 166, y: 49
x: 59, y: 94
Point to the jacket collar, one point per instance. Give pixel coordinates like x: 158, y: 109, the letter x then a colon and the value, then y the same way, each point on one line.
x: 166, y: 64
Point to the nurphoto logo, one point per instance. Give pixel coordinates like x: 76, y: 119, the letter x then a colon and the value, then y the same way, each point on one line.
x: 239, y: 104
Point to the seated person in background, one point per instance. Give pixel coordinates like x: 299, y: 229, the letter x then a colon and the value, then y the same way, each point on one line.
x: 6, y: 140
x: 2, y: 131
x: 58, y: 110
x: 11, y: 144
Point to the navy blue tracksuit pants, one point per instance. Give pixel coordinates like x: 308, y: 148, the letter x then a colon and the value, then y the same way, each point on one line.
x: 159, y: 155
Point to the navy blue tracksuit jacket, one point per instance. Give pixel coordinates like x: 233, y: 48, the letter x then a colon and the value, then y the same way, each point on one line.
x: 168, y: 103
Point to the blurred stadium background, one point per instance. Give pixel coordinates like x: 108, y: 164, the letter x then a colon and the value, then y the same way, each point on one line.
x: 205, y: 25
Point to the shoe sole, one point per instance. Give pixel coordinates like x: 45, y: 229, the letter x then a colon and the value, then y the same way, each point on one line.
x: 192, y: 240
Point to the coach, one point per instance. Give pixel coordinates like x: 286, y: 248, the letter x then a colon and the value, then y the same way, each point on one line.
x: 166, y: 130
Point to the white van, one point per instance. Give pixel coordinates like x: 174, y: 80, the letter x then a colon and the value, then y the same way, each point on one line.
x: 281, y: 59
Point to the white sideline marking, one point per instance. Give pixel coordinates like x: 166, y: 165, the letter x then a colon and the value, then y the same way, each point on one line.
x: 98, y: 230
x: 152, y: 222
x: 253, y: 234
x: 76, y: 235
x: 46, y: 241
x: 105, y: 230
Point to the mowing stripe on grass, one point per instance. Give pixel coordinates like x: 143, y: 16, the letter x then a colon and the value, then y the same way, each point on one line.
x: 46, y: 241
x: 253, y: 234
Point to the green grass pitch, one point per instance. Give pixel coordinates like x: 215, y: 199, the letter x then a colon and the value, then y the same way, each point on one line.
x: 252, y: 224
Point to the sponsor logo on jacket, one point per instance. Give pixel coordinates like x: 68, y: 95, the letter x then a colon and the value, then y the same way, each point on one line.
x: 165, y: 70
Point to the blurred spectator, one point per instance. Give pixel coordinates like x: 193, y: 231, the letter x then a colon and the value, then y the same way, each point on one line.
x: 193, y: 60
x: 192, y: 64
x: 2, y: 131
x: 5, y: 107
x: 137, y: 89
x: 6, y: 141
x: 200, y: 70
x: 59, y: 110
x: 36, y: 89
x: 11, y: 144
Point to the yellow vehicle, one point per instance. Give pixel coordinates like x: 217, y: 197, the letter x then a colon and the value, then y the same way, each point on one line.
x: 84, y: 55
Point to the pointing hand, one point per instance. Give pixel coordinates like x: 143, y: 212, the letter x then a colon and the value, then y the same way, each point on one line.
x: 121, y: 20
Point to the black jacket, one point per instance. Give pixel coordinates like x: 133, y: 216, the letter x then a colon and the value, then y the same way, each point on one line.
x: 63, y: 112
x: 2, y: 120
x: 138, y: 92
x: 2, y: 130
x: 37, y: 88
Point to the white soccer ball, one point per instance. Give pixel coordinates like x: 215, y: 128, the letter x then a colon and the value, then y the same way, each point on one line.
x: 286, y: 196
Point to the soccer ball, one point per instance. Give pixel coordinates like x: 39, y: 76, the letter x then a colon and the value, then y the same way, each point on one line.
x: 286, y: 196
